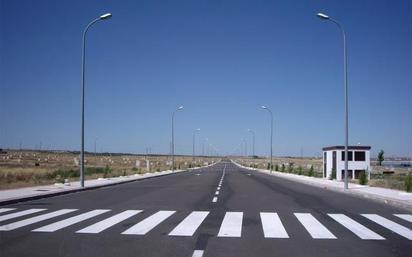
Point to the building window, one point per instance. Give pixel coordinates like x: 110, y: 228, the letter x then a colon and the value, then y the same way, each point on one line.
x: 349, y: 174
x: 360, y: 156
x: 357, y: 172
x: 350, y: 155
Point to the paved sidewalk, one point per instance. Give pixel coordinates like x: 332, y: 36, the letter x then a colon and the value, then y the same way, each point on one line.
x: 30, y: 193
x: 388, y: 196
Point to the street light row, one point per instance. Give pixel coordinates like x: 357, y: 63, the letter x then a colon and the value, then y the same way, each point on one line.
x: 345, y: 82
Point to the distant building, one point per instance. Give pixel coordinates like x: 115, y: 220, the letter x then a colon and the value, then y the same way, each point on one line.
x: 334, y: 159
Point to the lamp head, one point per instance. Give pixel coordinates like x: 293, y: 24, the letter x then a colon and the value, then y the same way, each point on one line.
x: 322, y: 16
x: 105, y: 16
x: 180, y: 108
x: 263, y: 107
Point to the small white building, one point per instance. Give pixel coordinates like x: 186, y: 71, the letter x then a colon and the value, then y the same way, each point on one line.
x: 334, y: 159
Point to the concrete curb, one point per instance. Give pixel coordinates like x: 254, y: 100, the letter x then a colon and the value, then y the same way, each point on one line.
x: 358, y: 194
x: 75, y: 190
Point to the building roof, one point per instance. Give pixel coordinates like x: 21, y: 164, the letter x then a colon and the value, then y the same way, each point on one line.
x: 350, y: 147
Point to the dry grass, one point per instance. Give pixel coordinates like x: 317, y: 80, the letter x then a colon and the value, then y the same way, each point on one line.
x: 29, y: 168
x: 396, y: 180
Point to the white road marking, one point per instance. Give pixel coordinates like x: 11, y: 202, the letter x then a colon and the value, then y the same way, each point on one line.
x: 407, y: 217
x: 395, y: 227
x: 217, y: 193
x: 231, y: 225
x: 214, y: 199
x: 190, y: 224
x: 22, y: 223
x: 109, y: 222
x: 149, y: 223
x: 6, y: 209
x: 70, y: 221
x: 19, y: 214
x: 314, y: 227
x: 272, y: 225
x: 198, y: 253
x: 357, y: 228
x: 218, y: 188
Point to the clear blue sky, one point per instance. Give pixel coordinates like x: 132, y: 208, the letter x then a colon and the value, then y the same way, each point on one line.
x: 220, y: 59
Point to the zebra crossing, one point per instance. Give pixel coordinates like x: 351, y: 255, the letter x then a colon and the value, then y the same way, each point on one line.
x: 231, y: 225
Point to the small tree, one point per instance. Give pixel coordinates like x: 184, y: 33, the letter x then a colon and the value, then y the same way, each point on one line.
x: 408, y: 183
x: 277, y: 167
x: 290, y: 168
x: 268, y: 166
x: 363, y: 179
x: 300, y: 170
x: 381, y: 157
x: 283, y: 168
x: 311, y: 171
x: 333, y: 175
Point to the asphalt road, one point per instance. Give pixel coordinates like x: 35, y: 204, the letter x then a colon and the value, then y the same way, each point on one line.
x: 252, y: 214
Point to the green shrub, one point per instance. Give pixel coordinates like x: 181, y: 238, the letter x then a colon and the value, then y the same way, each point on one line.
x: 300, y: 170
x: 311, y: 171
x: 277, y: 167
x: 59, y: 179
x: 268, y: 166
x: 135, y: 169
x: 408, y: 183
x: 107, y: 171
x: 283, y: 168
x: 363, y: 179
x: 333, y: 175
x: 290, y: 168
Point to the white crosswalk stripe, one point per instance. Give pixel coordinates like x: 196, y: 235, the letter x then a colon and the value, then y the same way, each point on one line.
x: 149, y: 223
x: 109, y: 222
x: 190, y: 224
x: 272, y: 226
x: 198, y: 253
x: 231, y: 225
x: 395, y: 227
x: 70, y: 221
x: 29, y: 221
x: 358, y: 229
x: 6, y: 209
x: 314, y: 227
x: 19, y: 214
x: 407, y: 217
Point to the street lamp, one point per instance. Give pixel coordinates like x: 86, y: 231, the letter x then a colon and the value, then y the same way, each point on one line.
x: 271, y: 135
x: 95, y: 151
x: 203, y: 146
x: 102, y: 17
x: 253, y: 141
x: 345, y: 83
x: 194, y: 144
x: 244, y: 146
x: 173, y: 137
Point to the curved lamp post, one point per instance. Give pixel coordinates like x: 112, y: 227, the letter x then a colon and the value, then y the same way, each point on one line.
x: 173, y: 137
x: 253, y: 141
x: 345, y: 83
x: 271, y: 135
x: 102, y: 17
x: 194, y: 143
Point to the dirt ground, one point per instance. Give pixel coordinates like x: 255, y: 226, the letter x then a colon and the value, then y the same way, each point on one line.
x: 29, y: 168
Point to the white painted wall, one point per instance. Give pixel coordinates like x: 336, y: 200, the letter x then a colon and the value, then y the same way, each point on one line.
x: 340, y: 165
